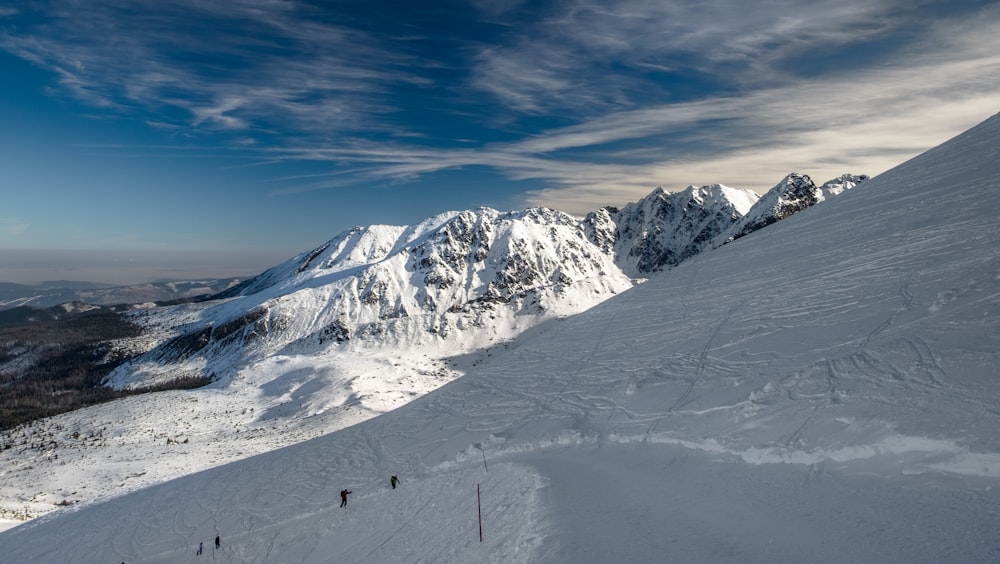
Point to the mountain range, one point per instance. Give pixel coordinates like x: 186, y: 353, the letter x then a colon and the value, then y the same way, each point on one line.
x: 459, y: 280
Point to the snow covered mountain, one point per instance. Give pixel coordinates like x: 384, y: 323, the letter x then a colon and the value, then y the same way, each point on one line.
x: 463, y: 280
x: 663, y: 229
x: 794, y: 193
x: 460, y: 280
x: 831, y: 402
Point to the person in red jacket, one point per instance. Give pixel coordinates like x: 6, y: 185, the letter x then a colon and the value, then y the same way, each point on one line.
x: 343, y: 497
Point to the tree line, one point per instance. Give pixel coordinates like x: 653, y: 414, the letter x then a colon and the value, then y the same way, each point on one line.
x: 55, y: 363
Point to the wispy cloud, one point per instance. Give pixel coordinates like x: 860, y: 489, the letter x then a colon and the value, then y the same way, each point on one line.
x: 13, y: 227
x: 600, y: 104
x: 232, y: 65
x: 573, y: 59
x: 865, y: 122
x: 858, y: 119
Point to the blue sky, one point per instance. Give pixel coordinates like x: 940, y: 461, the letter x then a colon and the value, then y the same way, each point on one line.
x: 174, y: 139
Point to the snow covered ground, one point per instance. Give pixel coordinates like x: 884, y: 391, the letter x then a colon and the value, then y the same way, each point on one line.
x: 823, y: 390
x: 113, y: 448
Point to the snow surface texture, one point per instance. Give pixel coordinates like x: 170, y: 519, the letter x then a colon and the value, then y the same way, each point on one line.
x: 822, y: 390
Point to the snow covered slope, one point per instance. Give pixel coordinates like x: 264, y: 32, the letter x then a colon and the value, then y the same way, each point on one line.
x: 824, y: 390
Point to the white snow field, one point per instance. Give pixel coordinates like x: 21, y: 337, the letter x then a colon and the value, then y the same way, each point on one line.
x: 823, y: 390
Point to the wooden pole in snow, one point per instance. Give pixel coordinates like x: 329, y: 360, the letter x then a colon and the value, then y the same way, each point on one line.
x: 479, y: 503
x: 482, y: 450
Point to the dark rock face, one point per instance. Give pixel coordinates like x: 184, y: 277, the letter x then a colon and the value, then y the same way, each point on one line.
x: 663, y: 229
x: 793, y: 194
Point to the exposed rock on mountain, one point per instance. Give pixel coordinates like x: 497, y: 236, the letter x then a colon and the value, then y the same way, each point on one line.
x: 793, y: 194
x: 663, y: 229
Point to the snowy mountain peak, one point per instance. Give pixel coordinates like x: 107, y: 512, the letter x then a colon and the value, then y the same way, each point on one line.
x: 357, y: 247
x: 793, y: 194
x: 739, y: 199
x: 840, y: 185
x: 665, y: 228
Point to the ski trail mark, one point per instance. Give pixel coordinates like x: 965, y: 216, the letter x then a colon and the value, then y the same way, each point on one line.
x: 794, y: 439
x: 928, y: 361
x: 699, y: 372
x: 397, y: 531
x: 703, y: 356
x: 904, y: 292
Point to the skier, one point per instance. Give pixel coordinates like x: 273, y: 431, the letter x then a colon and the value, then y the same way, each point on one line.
x: 216, y: 541
x: 343, y: 497
x: 200, y: 547
x: 393, y: 480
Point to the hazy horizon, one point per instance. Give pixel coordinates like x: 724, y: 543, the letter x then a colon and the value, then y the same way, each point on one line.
x: 125, y: 268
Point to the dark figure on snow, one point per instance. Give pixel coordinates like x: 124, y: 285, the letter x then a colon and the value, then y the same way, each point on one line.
x: 200, y: 547
x: 394, y: 480
x: 216, y: 541
x: 343, y: 497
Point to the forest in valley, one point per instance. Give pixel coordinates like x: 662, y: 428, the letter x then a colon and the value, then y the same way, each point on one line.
x: 53, y: 361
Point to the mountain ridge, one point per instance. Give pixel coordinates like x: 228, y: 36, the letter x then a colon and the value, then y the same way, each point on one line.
x: 793, y: 194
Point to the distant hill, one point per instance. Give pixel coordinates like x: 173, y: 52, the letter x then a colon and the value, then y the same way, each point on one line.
x: 48, y: 294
